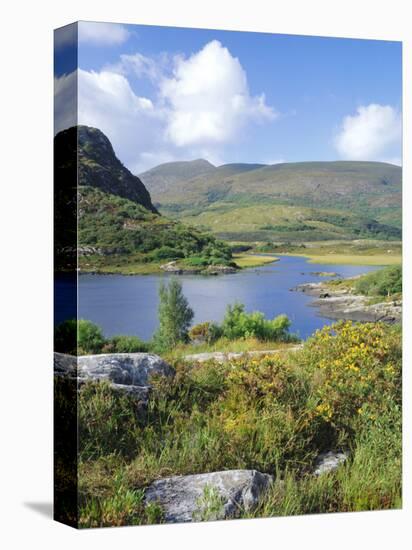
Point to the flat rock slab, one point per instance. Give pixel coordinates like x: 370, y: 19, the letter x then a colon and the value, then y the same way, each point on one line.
x: 215, y: 495
x: 128, y: 369
x: 222, y: 357
x: 328, y: 462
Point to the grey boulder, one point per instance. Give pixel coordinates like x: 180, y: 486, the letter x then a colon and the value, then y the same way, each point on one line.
x: 328, y: 462
x: 128, y: 369
x: 128, y: 373
x: 210, y: 496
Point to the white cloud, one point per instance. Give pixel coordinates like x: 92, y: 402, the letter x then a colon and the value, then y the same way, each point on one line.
x: 107, y: 102
x: 102, y: 33
x: 208, y: 98
x: 200, y: 106
x: 373, y: 133
x: 142, y: 66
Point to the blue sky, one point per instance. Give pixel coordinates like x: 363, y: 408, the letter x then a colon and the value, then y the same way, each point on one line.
x: 163, y: 94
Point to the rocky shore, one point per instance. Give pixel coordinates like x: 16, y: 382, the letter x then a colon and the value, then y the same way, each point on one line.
x: 344, y: 304
x: 177, y: 269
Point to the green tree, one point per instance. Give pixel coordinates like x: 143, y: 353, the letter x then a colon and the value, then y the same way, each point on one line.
x: 90, y: 338
x: 175, y: 316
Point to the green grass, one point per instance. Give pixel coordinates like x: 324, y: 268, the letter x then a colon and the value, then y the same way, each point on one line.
x: 351, y: 259
x: 253, y: 260
x: 356, y: 252
x: 120, y: 265
x: 273, y: 414
x: 273, y: 221
x: 370, y: 189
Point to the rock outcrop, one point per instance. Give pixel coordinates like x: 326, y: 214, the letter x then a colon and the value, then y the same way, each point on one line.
x: 127, y: 372
x: 211, y: 496
x: 329, y: 461
x: 342, y: 304
x: 131, y: 369
x: 223, y: 357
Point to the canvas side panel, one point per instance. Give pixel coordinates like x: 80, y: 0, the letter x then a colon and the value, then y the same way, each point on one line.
x: 65, y: 275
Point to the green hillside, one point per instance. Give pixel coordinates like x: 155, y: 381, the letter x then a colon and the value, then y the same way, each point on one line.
x: 118, y: 227
x: 281, y: 223
x: 369, y: 189
x: 116, y: 234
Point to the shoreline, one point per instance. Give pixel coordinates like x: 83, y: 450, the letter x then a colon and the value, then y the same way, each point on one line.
x: 343, y: 304
x: 247, y: 261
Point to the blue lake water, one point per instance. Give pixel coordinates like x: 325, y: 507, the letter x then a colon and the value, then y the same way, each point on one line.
x: 128, y: 304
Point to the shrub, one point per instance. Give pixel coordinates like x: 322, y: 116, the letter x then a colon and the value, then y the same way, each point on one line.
x: 125, y: 344
x: 358, y: 370
x: 384, y: 282
x: 205, y: 332
x: 196, y: 261
x: 90, y: 338
x: 166, y: 253
x: 239, y: 324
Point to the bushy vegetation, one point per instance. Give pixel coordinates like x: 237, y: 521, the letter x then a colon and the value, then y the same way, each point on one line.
x: 205, y: 332
x: 125, y: 344
x: 237, y: 323
x: 270, y: 220
x: 240, y: 325
x: 385, y: 282
x: 84, y: 338
x: 115, y: 229
x: 273, y: 413
x: 90, y: 338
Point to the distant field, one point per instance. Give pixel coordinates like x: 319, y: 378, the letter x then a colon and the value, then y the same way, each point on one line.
x: 356, y: 252
x: 277, y: 222
x: 253, y: 260
x: 350, y: 259
x: 360, y: 252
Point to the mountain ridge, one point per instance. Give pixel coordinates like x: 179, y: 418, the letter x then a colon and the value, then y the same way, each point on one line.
x: 368, y: 188
x: 98, y: 166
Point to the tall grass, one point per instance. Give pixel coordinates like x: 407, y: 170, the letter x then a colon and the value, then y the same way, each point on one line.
x: 274, y: 413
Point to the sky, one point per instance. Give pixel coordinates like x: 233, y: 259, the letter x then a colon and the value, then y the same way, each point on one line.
x: 163, y: 94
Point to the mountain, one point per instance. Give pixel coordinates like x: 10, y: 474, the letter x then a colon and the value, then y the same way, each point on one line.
x: 113, y: 218
x: 99, y: 167
x: 368, y: 193
x: 317, y: 184
x: 165, y: 176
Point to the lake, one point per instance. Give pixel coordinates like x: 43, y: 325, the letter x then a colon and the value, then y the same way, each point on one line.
x: 124, y: 304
